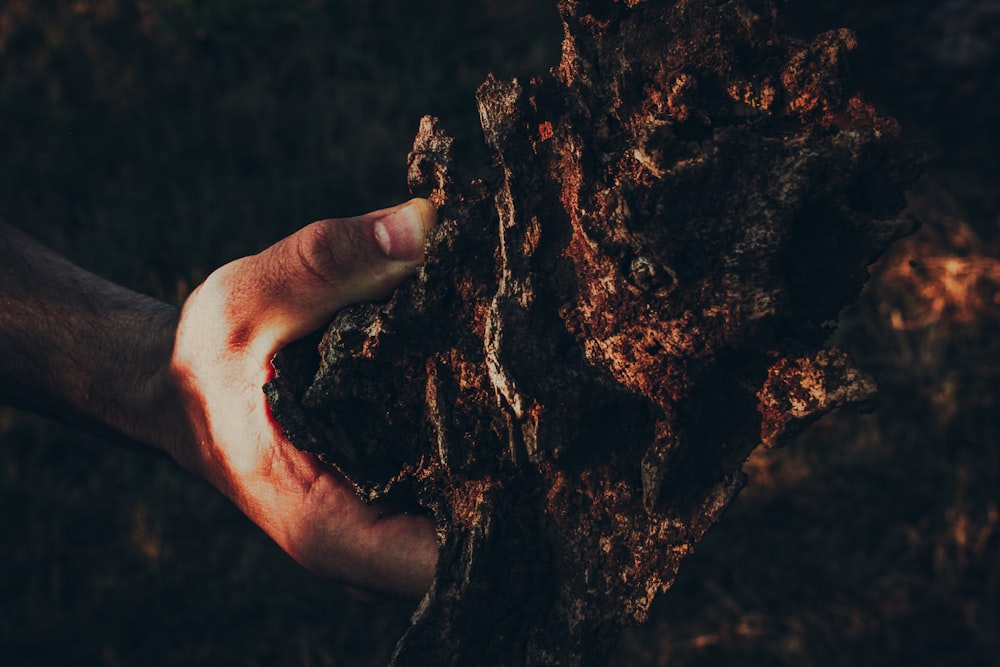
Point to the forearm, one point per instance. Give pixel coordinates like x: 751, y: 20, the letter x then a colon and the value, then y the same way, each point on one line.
x: 76, y: 347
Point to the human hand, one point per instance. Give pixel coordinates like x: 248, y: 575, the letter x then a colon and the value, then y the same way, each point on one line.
x: 229, y: 330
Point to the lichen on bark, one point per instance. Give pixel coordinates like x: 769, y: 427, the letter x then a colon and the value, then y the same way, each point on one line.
x: 606, y: 327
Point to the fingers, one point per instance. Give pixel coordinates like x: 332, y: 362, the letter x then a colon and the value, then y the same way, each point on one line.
x: 408, y: 546
x: 395, y: 557
x: 295, y: 286
x: 370, y: 548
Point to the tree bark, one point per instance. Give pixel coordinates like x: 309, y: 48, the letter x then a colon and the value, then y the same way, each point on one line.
x: 606, y: 326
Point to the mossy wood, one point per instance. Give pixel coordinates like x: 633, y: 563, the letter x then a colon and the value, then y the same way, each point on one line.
x: 606, y: 327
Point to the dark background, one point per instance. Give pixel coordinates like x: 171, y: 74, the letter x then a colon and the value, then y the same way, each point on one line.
x: 153, y: 140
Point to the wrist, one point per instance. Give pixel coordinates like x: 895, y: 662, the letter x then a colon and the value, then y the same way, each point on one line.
x: 151, y: 405
x: 124, y: 384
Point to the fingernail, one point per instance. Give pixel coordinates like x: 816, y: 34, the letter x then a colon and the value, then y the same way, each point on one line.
x: 400, y: 233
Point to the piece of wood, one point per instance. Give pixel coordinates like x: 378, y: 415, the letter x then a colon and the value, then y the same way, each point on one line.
x: 608, y: 325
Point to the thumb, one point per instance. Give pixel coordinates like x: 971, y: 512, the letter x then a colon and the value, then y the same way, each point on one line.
x: 295, y: 286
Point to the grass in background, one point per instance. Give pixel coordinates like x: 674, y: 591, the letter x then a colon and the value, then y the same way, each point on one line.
x: 153, y: 140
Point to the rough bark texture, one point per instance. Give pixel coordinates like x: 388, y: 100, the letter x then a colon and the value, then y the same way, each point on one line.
x: 608, y: 325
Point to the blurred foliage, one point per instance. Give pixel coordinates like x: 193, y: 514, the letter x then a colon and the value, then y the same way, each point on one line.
x: 151, y: 140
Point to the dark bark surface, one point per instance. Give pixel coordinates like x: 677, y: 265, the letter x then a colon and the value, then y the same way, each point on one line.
x: 607, y: 325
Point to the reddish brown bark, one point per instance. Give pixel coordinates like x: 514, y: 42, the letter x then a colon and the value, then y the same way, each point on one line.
x: 607, y: 326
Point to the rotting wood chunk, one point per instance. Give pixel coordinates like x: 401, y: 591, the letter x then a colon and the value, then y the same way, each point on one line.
x: 606, y: 328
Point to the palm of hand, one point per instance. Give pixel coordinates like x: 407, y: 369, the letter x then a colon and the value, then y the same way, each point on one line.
x: 230, y: 328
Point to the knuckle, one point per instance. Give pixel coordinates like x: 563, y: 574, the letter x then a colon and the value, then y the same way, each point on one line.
x: 323, y: 252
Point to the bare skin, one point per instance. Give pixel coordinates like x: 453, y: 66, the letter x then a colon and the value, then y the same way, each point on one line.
x: 188, y: 382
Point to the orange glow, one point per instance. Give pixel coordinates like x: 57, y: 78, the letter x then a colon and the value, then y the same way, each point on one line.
x: 940, y: 282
